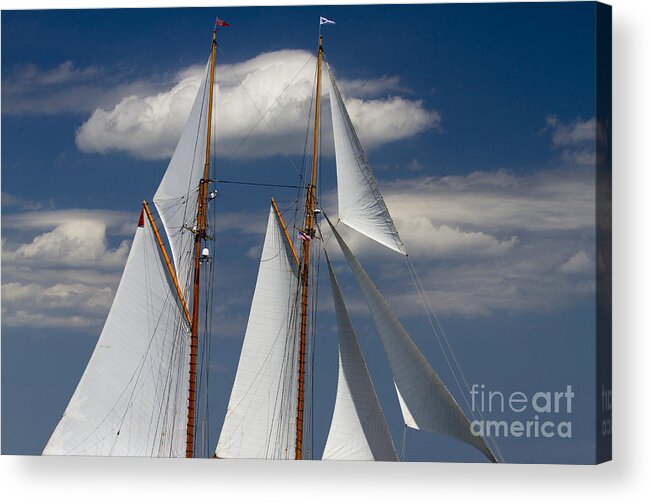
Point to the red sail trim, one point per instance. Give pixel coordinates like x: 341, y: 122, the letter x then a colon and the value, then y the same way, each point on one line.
x: 141, y: 220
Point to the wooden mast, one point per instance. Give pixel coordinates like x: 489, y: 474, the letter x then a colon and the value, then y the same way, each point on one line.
x: 308, y: 230
x: 199, y: 235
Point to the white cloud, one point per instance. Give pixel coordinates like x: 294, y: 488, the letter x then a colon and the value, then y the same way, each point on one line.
x: 64, y: 73
x: 487, y: 242
x: 74, y: 238
x: 497, y: 202
x: 12, y: 201
x: 67, y: 88
x: 427, y: 240
x: 59, y: 295
x: 483, y: 244
x: 146, y: 127
x: 577, y: 140
x: 576, y: 132
x: 277, y: 86
x: 386, y: 120
x: 73, y: 243
x: 119, y: 222
x: 59, y: 268
x: 580, y: 262
x: 48, y: 303
x: 415, y: 166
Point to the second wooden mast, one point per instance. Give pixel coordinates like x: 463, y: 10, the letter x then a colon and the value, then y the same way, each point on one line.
x: 199, y: 235
x: 309, y: 233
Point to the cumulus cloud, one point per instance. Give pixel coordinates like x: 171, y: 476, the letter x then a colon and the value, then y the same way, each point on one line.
x: 580, y: 262
x: 60, y: 268
x: 263, y: 106
x: 382, y: 121
x: 487, y: 242
x: 576, y: 140
x: 81, y: 242
x: 483, y: 243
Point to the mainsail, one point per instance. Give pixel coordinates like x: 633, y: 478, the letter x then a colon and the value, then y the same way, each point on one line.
x: 361, y: 205
x: 425, y: 401
x: 261, y: 416
x: 176, y: 196
x: 358, y: 430
x: 132, y: 397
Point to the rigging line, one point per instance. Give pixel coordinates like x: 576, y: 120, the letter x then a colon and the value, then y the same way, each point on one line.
x: 425, y: 300
x: 316, y: 269
x: 262, y: 116
x: 149, y: 273
x: 256, y: 383
x: 285, y: 387
x: 208, y: 282
x: 254, y: 380
x: 426, y: 304
x: 315, y: 312
x: 171, y: 381
x: 403, y: 444
x: 362, y: 159
x: 431, y: 316
x: 241, y: 182
x: 209, y: 322
x: 194, y: 154
x: 304, y: 160
x: 135, y: 374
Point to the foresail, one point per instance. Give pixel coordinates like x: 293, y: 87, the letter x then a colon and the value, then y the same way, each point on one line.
x: 261, y: 416
x: 177, y: 195
x: 358, y: 430
x: 132, y: 397
x: 361, y: 205
x: 425, y: 401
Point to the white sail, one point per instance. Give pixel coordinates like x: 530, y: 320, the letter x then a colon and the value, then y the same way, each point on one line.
x: 261, y: 416
x: 425, y: 401
x: 132, y: 397
x: 358, y: 430
x: 360, y: 203
x: 177, y: 195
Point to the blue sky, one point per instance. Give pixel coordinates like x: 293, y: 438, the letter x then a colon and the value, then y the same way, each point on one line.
x: 485, y: 160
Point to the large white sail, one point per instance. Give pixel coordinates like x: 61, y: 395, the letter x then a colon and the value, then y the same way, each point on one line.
x: 358, y: 430
x: 361, y: 205
x: 132, y: 397
x: 261, y: 416
x: 425, y: 401
x: 177, y: 195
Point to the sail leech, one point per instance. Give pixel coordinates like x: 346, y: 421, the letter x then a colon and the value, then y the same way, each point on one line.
x: 425, y: 401
x: 360, y: 202
x: 358, y: 430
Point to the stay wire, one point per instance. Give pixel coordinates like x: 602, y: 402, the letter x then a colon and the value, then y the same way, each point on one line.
x: 442, y: 337
x: 263, y: 116
x: 260, y: 184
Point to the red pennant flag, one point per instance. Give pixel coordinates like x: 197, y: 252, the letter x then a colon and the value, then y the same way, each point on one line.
x: 220, y: 22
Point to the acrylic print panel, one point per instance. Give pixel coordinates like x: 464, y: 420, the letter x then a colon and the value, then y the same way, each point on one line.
x: 462, y: 156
